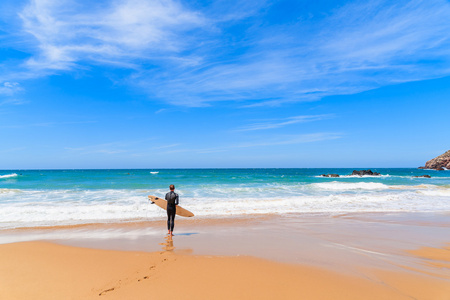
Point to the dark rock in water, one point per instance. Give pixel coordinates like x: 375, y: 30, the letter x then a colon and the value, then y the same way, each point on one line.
x: 365, y: 173
x: 329, y: 175
x: 438, y: 163
x: 424, y: 176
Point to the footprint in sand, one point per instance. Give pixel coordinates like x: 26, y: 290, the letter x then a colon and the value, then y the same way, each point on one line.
x: 105, y: 291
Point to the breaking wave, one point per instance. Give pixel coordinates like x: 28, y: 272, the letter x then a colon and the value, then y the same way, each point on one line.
x: 29, y: 208
x: 8, y: 175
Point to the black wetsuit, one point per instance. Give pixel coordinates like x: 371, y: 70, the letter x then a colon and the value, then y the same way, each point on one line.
x: 172, y: 201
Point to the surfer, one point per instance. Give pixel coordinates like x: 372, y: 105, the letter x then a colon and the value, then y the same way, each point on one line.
x: 172, y: 202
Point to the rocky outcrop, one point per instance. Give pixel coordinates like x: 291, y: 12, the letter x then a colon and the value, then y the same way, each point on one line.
x: 438, y: 163
x: 329, y: 175
x: 365, y: 172
x: 424, y: 176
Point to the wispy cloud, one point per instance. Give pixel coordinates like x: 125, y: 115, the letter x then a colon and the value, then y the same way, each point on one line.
x: 112, y: 148
x: 13, y: 101
x: 16, y: 149
x: 359, y: 47
x: 106, y: 148
x: 160, y: 110
x: 192, y: 55
x: 46, y: 124
x: 292, y: 139
x: 70, y: 34
x: 8, y: 90
x: 278, y: 123
x: 166, y: 146
x: 267, y: 142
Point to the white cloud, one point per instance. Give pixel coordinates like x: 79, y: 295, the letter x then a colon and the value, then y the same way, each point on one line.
x: 17, y: 149
x: 293, y: 139
x: 160, y: 110
x: 10, y: 88
x: 181, y: 56
x: 359, y: 47
x: 278, y: 123
x: 10, y: 84
x: 267, y: 142
x: 69, y: 33
x: 166, y: 146
x: 115, y: 147
x: 46, y: 124
x: 13, y: 101
x: 106, y: 148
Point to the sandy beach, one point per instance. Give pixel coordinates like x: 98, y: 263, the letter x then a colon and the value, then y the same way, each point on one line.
x: 322, y: 257
x: 302, y: 146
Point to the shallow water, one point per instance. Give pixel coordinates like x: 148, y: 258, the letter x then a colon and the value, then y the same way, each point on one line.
x: 352, y: 243
x: 31, y: 198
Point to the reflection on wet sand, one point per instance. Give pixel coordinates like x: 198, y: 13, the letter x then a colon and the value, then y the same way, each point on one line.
x: 168, y: 244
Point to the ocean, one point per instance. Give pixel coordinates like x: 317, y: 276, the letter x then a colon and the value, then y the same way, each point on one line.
x: 35, y: 198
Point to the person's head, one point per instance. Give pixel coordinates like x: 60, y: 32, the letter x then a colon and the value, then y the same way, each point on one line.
x: 172, y: 187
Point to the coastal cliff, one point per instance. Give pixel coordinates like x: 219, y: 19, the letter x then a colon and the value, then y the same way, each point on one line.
x: 438, y: 163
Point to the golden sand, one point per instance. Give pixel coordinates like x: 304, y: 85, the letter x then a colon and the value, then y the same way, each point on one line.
x: 39, y: 270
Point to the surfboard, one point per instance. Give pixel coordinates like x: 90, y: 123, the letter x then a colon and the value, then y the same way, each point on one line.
x: 163, y: 204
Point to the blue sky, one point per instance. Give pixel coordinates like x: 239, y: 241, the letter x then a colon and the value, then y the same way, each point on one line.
x: 181, y: 84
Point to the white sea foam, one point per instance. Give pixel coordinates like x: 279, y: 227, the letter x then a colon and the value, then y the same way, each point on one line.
x: 9, y: 191
x: 62, y: 207
x: 154, y: 172
x: 345, y: 186
x: 29, y: 208
x: 357, y: 176
x: 8, y: 175
x: 436, y: 192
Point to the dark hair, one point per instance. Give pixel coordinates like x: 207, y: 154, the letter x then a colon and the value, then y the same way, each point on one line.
x: 172, y: 187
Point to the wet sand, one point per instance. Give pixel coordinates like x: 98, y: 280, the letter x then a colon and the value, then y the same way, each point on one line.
x: 37, y: 270
x: 353, y: 256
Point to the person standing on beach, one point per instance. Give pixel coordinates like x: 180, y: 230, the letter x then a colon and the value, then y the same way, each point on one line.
x: 172, y: 202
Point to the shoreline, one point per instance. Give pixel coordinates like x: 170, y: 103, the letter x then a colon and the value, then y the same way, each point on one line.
x: 357, y: 256
x: 301, y: 238
x: 218, y: 219
x: 45, y: 199
x: 387, y: 233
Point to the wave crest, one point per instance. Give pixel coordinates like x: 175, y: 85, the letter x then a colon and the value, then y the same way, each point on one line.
x: 9, y: 175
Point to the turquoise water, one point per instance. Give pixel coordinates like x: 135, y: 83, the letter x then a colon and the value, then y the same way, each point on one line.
x: 60, y: 197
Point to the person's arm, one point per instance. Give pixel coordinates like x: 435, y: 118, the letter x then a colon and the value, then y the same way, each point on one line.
x: 176, y: 200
